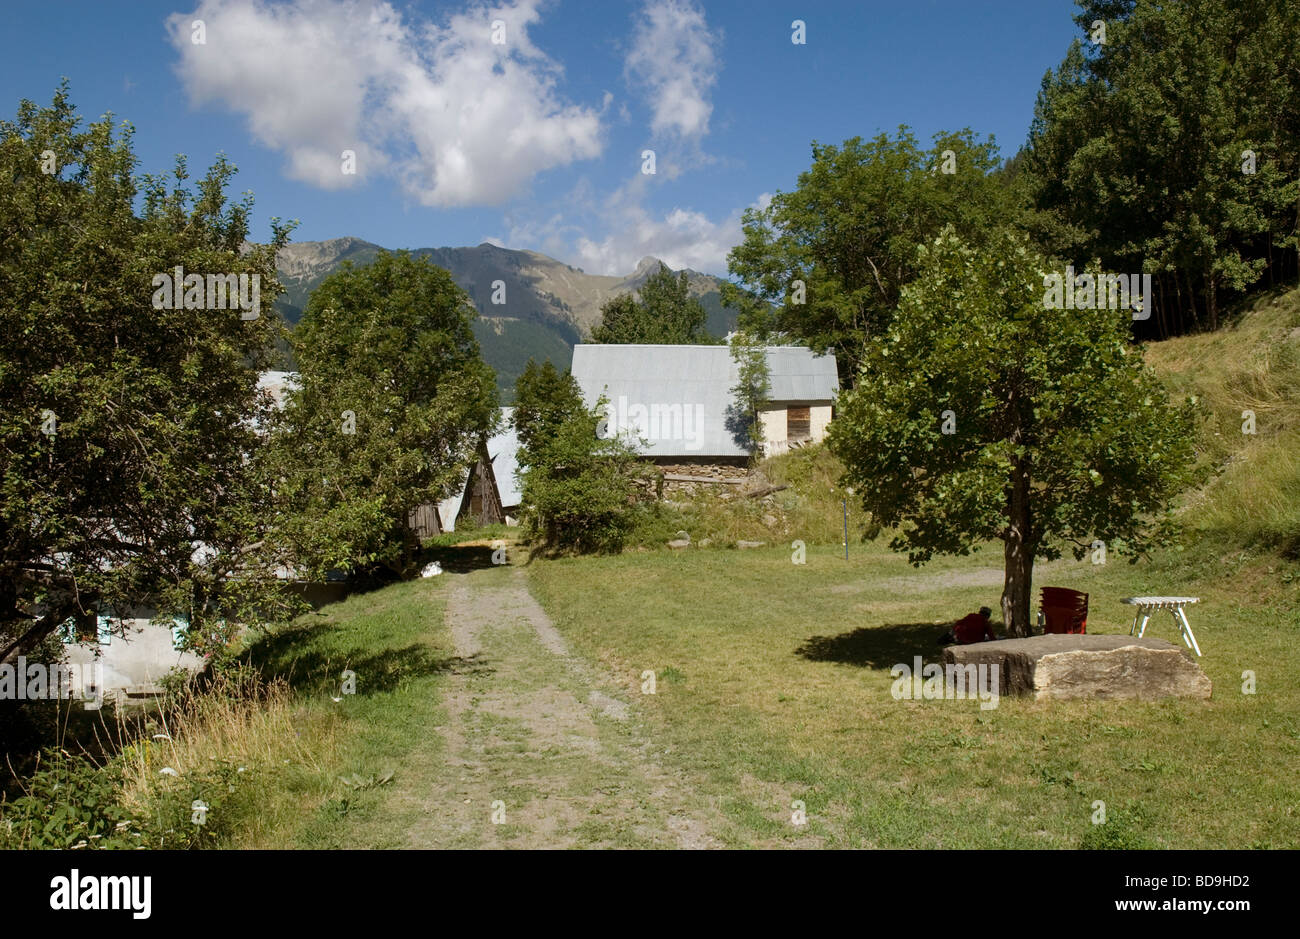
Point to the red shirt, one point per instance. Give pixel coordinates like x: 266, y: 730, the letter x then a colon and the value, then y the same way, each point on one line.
x: 973, y: 628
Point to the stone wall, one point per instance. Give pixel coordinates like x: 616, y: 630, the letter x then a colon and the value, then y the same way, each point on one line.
x: 708, y: 469
x: 681, y: 474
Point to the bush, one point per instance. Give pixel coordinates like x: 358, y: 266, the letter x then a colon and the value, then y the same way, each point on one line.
x: 69, y: 802
x: 73, y: 803
x: 580, y: 491
x: 225, y: 746
x: 579, y: 486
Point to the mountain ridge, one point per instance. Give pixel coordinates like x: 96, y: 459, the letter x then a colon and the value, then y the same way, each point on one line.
x: 548, y: 305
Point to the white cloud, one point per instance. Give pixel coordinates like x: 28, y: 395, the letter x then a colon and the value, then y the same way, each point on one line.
x: 673, y: 57
x: 456, y: 119
x: 681, y: 237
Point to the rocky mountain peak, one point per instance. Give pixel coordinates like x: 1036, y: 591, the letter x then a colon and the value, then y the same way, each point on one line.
x: 646, y: 266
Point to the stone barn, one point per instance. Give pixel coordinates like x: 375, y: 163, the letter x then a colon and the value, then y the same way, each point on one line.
x: 679, y: 400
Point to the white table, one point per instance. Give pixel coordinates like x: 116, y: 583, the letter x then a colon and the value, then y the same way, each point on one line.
x: 1148, y: 605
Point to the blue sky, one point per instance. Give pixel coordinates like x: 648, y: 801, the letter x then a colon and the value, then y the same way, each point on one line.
x: 534, y: 141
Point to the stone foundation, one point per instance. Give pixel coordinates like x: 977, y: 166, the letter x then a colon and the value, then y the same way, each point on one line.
x: 688, y: 476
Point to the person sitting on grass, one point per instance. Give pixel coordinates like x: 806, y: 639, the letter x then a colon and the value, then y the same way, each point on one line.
x: 973, y: 628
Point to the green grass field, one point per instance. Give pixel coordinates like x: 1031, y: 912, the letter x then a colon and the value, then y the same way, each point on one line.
x: 773, y: 679
x: 774, y: 686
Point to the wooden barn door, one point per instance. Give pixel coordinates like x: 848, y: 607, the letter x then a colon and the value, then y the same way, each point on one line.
x: 798, y: 425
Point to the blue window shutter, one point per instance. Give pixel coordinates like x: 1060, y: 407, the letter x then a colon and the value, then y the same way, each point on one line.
x: 181, y: 625
x: 68, y: 630
x: 104, y: 629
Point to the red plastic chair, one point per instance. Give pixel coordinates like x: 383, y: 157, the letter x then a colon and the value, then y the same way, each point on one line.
x: 1063, y: 610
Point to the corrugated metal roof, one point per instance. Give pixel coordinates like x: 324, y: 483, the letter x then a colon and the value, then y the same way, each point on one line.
x: 502, y: 451
x: 448, y: 509
x: 799, y: 375
x: 681, y: 395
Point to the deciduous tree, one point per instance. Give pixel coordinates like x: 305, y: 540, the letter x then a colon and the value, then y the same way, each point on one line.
x: 982, y: 415
x: 127, y: 441
x: 824, y: 264
x: 579, y: 486
x: 392, y: 399
x: 664, y: 313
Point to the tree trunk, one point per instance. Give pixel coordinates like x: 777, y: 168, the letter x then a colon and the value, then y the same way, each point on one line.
x: 1163, y: 306
x: 1191, y: 302
x: 1019, y: 555
x: 1178, y: 309
x: 34, y: 635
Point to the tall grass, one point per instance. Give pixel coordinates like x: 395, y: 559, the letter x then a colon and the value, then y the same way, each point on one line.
x: 810, y: 507
x: 1251, y: 496
x: 207, y: 767
x: 268, y: 748
x: 236, y: 745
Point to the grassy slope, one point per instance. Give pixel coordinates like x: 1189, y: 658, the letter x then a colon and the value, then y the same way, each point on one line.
x: 811, y: 508
x: 395, y: 641
x: 1253, y: 364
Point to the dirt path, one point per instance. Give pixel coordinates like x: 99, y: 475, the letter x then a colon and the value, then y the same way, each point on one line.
x: 540, y: 737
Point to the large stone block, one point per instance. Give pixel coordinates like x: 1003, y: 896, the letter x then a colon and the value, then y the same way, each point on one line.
x: 1068, y: 667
